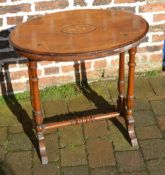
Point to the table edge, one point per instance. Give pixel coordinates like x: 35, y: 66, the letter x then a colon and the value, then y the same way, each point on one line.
x: 77, y: 56
x: 81, y: 55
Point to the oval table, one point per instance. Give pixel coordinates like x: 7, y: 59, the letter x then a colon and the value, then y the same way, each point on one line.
x: 80, y: 35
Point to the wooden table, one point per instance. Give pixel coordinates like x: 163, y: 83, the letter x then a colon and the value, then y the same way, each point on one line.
x: 80, y: 35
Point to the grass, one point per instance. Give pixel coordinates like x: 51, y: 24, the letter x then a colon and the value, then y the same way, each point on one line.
x: 67, y: 91
x: 55, y: 92
x: 149, y: 74
x: 59, y: 92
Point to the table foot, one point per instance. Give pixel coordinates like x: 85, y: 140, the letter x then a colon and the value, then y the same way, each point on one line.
x: 42, y: 149
x: 131, y: 132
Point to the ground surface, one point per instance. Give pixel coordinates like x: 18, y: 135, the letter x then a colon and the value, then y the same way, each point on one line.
x: 99, y: 148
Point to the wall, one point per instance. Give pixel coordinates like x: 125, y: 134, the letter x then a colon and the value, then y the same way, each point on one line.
x: 13, y: 12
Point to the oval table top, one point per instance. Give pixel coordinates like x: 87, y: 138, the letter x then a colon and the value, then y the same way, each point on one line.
x: 78, y: 34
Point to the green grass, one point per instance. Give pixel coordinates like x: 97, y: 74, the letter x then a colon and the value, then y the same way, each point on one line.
x: 55, y: 92
x: 59, y: 92
x: 14, y: 98
x: 149, y: 74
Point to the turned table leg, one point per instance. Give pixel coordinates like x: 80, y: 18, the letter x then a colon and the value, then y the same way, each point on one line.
x: 37, y: 112
x: 130, y: 98
x: 121, y: 85
x: 31, y: 93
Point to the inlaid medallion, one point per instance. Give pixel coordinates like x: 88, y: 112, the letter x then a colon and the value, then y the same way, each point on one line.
x: 78, y: 29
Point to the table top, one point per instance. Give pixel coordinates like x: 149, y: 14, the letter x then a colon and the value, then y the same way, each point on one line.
x: 78, y: 34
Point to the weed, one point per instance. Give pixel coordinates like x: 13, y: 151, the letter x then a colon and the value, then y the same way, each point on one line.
x: 149, y: 74
x: 59, y: 92
x: 55, y: 92
x: 71, y: 146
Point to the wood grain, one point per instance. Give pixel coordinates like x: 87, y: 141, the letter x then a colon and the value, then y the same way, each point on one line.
x: 78, y: 34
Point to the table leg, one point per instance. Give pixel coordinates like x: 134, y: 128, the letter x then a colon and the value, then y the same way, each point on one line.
x: 37, y: 111
x: 31, y: 93
x: 121, y: 85
x: 130, y: 98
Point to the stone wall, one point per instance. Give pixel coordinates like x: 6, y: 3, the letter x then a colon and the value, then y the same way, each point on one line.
x: 13, y: 12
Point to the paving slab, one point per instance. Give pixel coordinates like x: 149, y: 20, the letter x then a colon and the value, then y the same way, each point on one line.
x: 161, y: 122
x: 3, y: 137
x: 128, y: 161
x: 19, y: 142
x: 156, y: 98
x: 156, y: 167
x: 25, y: 111
x: 5, y: 169
x: 141, y: 104
x: 104, y: 171
x: 18, y: 128
x: 54, y: 107
x: 92, y: 100
x: 102, y: 105
x: 158, y: 107
x: 117, y: 121
x: 52, y: 159
x: 119, y: 135
x: 49, y: 169
x: 143, y: 83
x: 73, y: 156
x: 78, y: 104
x: 52, y: 147
x: 99, y: 90
x: 98, y: 147
x: 8, y: 117
x: 158, y: 85
x: 71, y: 135
x: 153, y: 149
x: 148, y: 132
x: 20, y: 162
x: 113, y: 89
x: 139, y: 94
x: 97, y: 129
x: 2, y: 153
x: 21, y: 116
x: 163, y: 134
x: 53, y: 166
x: 77, y: 170
x: 144, y: 118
